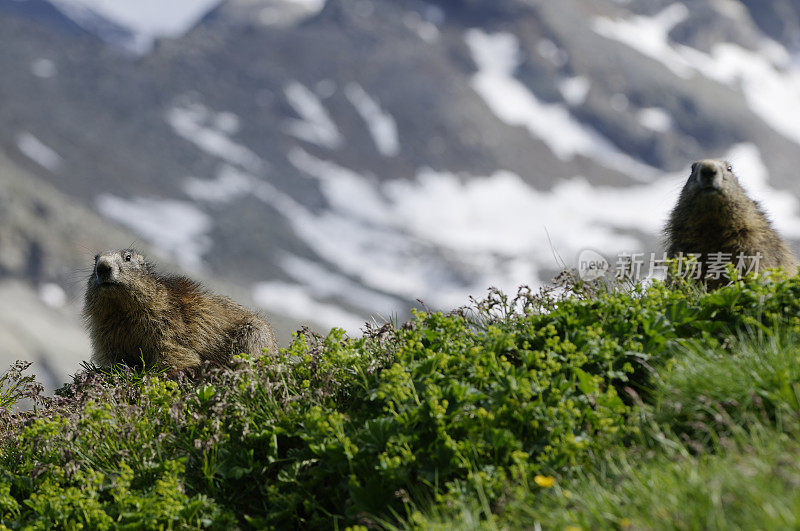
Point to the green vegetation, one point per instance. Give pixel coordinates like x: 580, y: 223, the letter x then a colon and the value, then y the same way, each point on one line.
x: 604, y: 407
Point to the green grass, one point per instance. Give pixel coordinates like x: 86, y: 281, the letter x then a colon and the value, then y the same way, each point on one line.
x: 753, y: 484
x: 756, y: 376
x: 648, y: 407
x: 729, y: 458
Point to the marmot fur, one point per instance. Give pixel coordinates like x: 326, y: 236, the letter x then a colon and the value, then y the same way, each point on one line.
x: 715, y: 215
x: 134, y: 314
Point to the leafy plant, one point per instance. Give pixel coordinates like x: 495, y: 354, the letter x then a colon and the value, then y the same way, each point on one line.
x: 510, y: 398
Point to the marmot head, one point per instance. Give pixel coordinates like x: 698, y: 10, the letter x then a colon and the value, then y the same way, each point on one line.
x: 114, y: 269
x: 712, y: 181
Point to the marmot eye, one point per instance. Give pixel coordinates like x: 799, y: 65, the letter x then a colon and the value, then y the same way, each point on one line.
x: 127, y: 257
x: 729, y: 167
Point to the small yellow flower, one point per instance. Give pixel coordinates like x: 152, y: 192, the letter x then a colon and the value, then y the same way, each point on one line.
x: 545, y: 481
x: 573, y: 528
x: 625, y: 523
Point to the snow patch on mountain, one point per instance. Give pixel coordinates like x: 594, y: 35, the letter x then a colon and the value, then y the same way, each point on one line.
x: 501, y: 229
x: 146, y: 20
x: 37, y: 151
x: 315, y: 124
x: 177, y: 229
x: 499, y: 218
x: 277, y: 13
x: 324, y: 283
x: 229, y: 184
x: 497, y: 57
x: 381, y: 124
x: 355, y: 234
x: 655, y: 118
x: 295, y: 301
x: 772, y: 91
x: 650, y: 36
x: 52, y: 295
x: 310, y: 5
x: 783, y: 207
x: 426, y: 27
x: 344, y: 235
x: 440, y: 235
x: 768, y: 77
x: 346, y: 191
x: 574, y: 90
x: 211, y: 131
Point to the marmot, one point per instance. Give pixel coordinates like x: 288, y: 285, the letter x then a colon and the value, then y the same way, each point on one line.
x: 715, y: 215
x: 135, y: 314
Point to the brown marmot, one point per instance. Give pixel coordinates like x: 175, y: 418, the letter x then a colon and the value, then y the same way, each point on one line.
x: 715, y: 215
x: 134, y: 314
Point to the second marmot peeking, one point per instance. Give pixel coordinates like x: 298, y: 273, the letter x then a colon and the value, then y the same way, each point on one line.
x: 715, y: 215
x: 135, y: 314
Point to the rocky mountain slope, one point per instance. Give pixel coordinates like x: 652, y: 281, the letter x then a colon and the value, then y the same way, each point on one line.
x: 340, y: 159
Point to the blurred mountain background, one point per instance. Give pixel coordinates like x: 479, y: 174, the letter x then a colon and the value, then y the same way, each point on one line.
x: 334, y: 161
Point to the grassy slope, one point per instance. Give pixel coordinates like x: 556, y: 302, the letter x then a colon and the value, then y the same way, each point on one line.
x: 656, y: 408
x: 717, y: 450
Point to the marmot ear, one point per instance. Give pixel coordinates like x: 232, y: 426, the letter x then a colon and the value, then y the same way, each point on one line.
x: 694, y: 166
